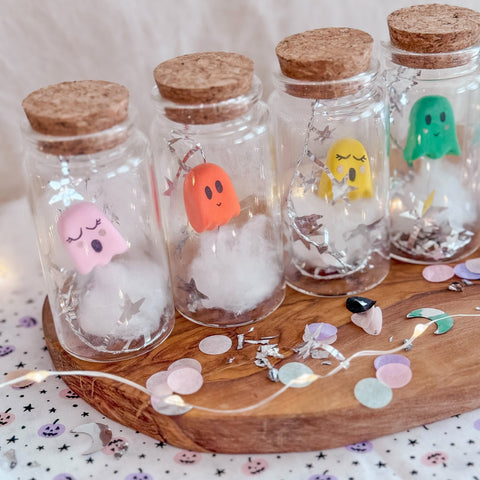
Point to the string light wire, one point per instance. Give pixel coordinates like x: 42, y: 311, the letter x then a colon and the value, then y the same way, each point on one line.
x: 37, y: 376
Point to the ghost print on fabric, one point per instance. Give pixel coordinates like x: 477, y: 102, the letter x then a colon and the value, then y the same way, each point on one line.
x: 432, y: 130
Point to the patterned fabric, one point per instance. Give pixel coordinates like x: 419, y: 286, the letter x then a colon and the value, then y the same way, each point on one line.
x: 36, y: 441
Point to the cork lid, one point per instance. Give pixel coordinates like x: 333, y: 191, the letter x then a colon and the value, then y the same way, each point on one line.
x: 433, y: 29
x: 77, y: 108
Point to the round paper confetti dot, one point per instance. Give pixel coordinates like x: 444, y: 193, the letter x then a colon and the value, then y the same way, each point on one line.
x: 292, y: 371
x: 462, y: 271
x: 473, y: 265
x: 438, y: 273
x: 160, y: 405
x: 326, y: 330
x: 395, y: 375
x: 215, y: 344
x: 185, y: 380
x: 159, y: 378
x: 391, y: 358
x: 186, y: 362
x: 373, y: 393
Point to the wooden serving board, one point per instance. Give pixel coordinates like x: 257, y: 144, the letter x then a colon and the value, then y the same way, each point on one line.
x: 325, y: 414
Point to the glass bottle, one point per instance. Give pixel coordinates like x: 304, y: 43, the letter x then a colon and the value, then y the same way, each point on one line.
x: 330, y: 121
x: 217, y: 189
x: 90, y: 183
x: 432, y: 77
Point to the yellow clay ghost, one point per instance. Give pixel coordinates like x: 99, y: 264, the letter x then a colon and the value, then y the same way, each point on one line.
x: 347, y: 156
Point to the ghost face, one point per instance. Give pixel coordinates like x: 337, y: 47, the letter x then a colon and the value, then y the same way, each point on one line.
x: 347, y: 157
x: 432, y: 130
x: 89, y: 237
x: 209, y: 197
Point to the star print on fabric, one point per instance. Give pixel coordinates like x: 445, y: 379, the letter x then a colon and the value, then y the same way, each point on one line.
x: 43, y: 391
x: 413, y: 472
x: 40, y: 447
x: 64, y: 447
x: 28, y: 408
x: 85, y: 414
x: 12, y: 439
x: 321, y: 455
x: 219, y: 472
x: 129, y: 308
x: 380, y: 464
x: 309, y: 465
x: 412, y: 442
x: 142, y: 455
x: 89, y: 460
x: 160, y: 444
x: 52, y: 410
x: 20, y: 365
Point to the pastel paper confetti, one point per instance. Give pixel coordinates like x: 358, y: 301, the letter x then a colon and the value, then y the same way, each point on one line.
x: 395, y: 375
x: 390, y: 358
x: 215, y: 344
x: 185, y: 380
x: 373, y: 393
x: 438, y: 273
x: 293, y: 370
x: 462, y: 271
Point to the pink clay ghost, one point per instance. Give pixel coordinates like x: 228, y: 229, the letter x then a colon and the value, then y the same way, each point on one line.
x: 88, y: 235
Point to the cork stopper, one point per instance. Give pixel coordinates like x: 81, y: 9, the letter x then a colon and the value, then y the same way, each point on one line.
x: 325, y: 55
x: 76, y: 109
x: 206, y: 78
x: 433, y: 29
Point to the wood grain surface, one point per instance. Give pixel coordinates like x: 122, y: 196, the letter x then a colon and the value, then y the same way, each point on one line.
x: 325, y: 414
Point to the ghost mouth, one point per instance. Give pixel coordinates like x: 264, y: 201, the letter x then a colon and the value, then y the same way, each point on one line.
x: 97, y: 245
x: 352, y: 174
x: 219, y: 204
x: 436, y: 134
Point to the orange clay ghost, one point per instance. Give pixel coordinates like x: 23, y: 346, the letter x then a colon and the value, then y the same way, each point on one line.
x: 209, y: 197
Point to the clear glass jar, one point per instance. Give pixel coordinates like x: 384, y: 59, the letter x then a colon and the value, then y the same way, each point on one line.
x: 434, y: 154
x: 220, y: 204
x: 331, y: 142
x: 99, y: 235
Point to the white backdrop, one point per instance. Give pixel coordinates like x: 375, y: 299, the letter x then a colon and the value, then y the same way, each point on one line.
x: 49, y: 41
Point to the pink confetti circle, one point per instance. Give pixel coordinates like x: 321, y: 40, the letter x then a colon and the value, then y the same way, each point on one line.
x: 157, y: 380
x: 438, y: 273
x: 473, y: 265
x: 185, y: 381
x: 186, y: 362
x: 395, y: 375
x: 215, y: 344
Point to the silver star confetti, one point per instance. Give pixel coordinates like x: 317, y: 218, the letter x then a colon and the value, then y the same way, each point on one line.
x: 129, y: 308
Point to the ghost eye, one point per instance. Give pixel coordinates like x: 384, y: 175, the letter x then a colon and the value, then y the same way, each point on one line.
x: 97, y: 223
x: 71, y: 239
x: 443, y: 116
x: 340, y: 157
x: 360, y: 159
x: 219, y: 186
x: 428, y: 119
x: 208, y: 193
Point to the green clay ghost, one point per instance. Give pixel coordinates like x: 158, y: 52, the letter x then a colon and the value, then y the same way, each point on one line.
x: 432, y: 130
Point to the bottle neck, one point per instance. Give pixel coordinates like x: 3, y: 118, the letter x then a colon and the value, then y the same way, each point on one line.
x: 79, y: 144
x: 208, y: 113
x: 333, y: 89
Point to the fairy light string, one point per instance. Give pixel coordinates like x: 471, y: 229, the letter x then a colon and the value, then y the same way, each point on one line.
x: 38, y: 376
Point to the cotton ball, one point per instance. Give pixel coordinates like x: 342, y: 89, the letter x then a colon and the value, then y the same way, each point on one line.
x: 237, y: 268
x: 101, y: 309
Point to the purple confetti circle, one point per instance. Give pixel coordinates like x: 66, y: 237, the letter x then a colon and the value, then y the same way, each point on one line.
x: 391, y: 358
x: 462, y: 271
